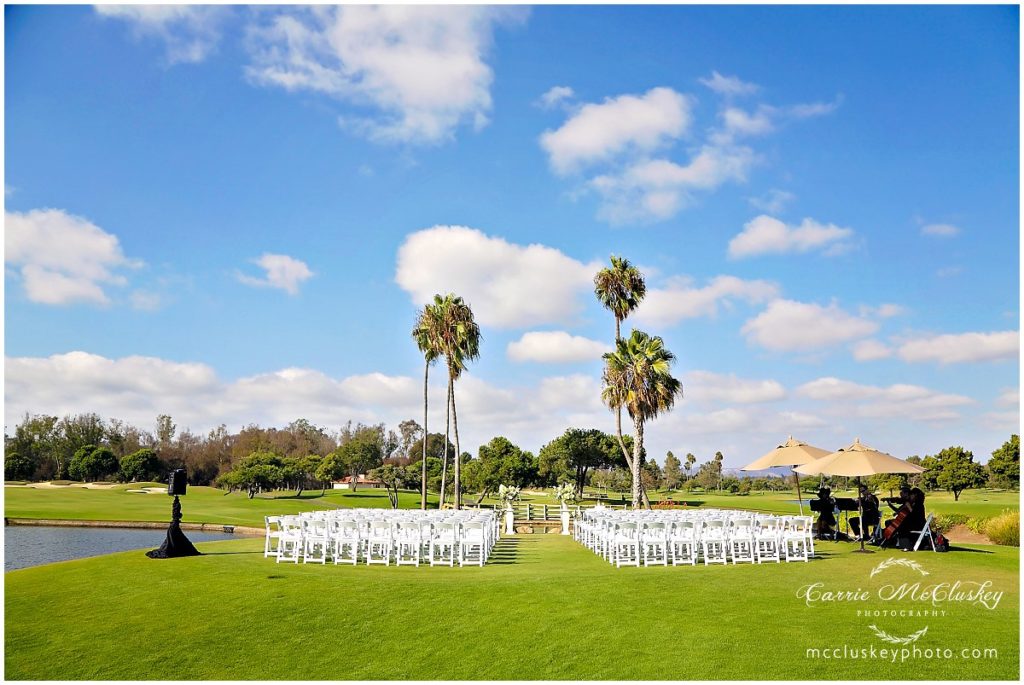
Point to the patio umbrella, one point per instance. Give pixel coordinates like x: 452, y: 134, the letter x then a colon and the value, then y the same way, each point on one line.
x: 858, y: 460
x: 793, y: 453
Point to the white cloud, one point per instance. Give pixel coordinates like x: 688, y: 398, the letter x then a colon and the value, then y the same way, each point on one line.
x: 508, y: 285
x: 555, y: 347
x: 962, y: 347
x: 729, y: 85
x: 766, y: 235
x: 706, y: 386
x: 556, y: 95
x: 870, y: 350
x: 741, y: 122
x: 787, y: 325
x: 190, y: 32
x: 910, y: 402
x: 656, y: 189
x: 773, y: 202
x: 137, y: 389
x: 940, y: 230
x: 813, y: 109
x: 420, y: 70
x: 63, y: 258
x: 680, y: 299
x: 598, y: 132
x: 146, y: 301
x: 1009, y: 397
x: 282, y: 272
x: 949, y: 271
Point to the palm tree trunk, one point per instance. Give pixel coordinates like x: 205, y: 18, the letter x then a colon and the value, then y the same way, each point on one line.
x: 629, y: 460
x: 638, y: 446
x: 447, y: 425
x: 458, y: 455
x: 426, y: 434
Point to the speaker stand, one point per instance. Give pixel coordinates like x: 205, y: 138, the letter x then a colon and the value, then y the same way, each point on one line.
x: 175, y: 544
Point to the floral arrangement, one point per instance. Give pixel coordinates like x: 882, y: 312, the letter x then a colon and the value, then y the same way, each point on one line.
x: 566, y: 494
x: 507, y: 494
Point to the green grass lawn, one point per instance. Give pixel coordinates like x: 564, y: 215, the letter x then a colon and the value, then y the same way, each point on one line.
x: 543, y: 608
x: 200, y: 505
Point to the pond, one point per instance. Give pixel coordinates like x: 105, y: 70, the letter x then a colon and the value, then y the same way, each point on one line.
x: 35, y: 545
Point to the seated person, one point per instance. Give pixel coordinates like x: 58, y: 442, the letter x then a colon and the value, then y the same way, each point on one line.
x: 826, y: 513
x: 915, y: 521
x: 869, y: 511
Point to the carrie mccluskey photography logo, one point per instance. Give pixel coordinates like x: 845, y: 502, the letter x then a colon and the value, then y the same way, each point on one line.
x: 921, y: 597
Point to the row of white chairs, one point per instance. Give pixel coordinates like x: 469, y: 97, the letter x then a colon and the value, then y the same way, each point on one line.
x: 635, y: 538
x: 373, y: 536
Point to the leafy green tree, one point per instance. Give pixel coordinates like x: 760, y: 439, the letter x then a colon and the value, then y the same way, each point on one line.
x: 73, y: 433
x: 672, y: 473
x: 955, y: 470
x: 650, y: 474
x: 574, y: 454
x: 1004, y: 465
x: 77, y: 468
x: 690, y: 461
x: 620, y: 289
x: 19, y: 466
x: 360, y: 453
x: 35, y: 439
x: 502, y: 463
x: 91, y: 463
x: 637, y: 377
x: 141, y: 465
x: 707, y: 476
x: 394, y: 478
x: 255, y: 473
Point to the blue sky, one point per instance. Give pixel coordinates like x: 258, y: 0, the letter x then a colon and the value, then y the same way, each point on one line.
x: 233, y: 214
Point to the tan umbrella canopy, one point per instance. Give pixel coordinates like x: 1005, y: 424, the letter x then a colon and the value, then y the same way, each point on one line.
x: 858, y: 460
x: 793, y: 453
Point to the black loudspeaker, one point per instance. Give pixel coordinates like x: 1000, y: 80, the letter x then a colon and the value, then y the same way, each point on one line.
x: 177, y: 482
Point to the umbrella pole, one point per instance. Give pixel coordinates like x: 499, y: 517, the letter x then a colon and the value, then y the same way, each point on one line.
x: 799, y: 499
x: 863, y: 528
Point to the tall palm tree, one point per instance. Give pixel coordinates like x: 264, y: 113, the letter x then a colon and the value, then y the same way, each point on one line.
x: 426, y: 335
x: 620, y: 289
x: 460, y: 343
x: 637, y: 376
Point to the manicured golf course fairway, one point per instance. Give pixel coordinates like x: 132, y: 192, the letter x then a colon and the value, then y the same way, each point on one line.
x: 543, y: 608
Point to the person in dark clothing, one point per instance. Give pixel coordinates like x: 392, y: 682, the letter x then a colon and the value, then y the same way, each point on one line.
x: 915, y: 521
x: 869, y: 512
x: 825, y: 506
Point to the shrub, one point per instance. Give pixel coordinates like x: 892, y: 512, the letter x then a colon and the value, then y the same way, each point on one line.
x: 977, y: 525
x: 19, y: 466
x: 1004, y: 529
x: 943, y: 522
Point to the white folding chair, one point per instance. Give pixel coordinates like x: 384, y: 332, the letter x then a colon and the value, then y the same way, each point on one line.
x: 273, y: 535
x: 443, y: 542
x: 345, y: 542
x: 714, y: 543
x: 379, y: 543
x: 654, y: 543
x: 683, y: 543
x: 741, y: 541
x: 925, y: 532
x: 472, y: 544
